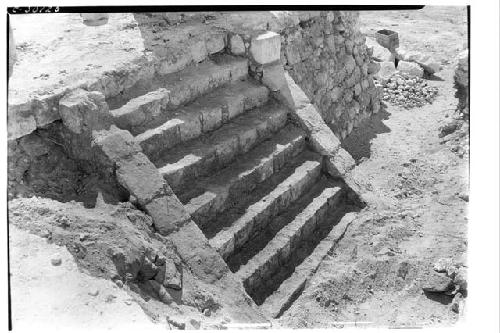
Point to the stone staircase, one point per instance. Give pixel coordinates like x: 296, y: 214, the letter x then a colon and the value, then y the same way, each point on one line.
x: 243, y: 170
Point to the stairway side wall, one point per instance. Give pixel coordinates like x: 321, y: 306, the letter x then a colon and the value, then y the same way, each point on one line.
x: 327, y: 57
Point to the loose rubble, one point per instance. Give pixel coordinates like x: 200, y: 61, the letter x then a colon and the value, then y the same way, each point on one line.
x: 408, y: 91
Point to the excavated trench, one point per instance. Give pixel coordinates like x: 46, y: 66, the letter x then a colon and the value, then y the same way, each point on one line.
x: 45, y: 164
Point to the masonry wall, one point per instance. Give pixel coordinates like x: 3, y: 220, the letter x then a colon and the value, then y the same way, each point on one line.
x: 327, y: 57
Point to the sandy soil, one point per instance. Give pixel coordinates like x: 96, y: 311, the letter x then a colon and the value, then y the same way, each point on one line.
x: 418, y: 185
x: 82, y: 302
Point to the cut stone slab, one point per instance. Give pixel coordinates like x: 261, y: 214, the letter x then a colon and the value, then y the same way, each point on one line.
x: 410, y: 68
x: 265, y: 48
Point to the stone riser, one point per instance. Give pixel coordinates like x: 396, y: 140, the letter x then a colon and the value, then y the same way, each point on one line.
x: 208, y: 154
x: 277, y: 252
x: 205, y: 114
x: 258, y: 215
x: 172, y: 90
x: 243, y: 177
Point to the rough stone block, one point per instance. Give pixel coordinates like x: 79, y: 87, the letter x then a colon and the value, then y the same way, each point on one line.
x: 378, y: 52
x: 140, y: 177
x: 387, y: 69
x: 116, y: 144
x: 142, y: 108
x: 410, y: 68
x: 20, y: 121
x: 236, y: 45
x: 83, y: 111
x: 265, y: 48
x: 168, y: 214
x: 339, y: 164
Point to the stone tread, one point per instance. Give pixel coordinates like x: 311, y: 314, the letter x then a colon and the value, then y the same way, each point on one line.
x: 218, y: 148
x: 284, y: 242
x: 290, y: 289
x: 172, y: 90
x: 256, y: 166
x: 258, y: 214
x: 204, y: 114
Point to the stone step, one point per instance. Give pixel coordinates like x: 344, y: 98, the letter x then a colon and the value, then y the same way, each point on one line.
x: 225, y: 188
x: 213, y: 151
x: 167, y: 92
x: 203, y: 115
x: 290, y: 289
x: 258, y: 215
x: 277, y: 251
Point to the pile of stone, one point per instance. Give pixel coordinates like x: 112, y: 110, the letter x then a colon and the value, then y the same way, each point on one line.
x: 408, y: 91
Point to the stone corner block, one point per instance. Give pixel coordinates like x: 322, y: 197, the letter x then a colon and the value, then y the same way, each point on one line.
x: 266, y: 47
x: 83, y: 111
x: 168, y: 214
x: 339, y: 164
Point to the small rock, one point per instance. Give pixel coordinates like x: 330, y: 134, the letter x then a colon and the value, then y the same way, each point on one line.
x: 56, y: 261
x: 128, y: 302
x: 109, y: 298
x: 460, y: 279
x: 443, y: 264
x: 464, y: 197
x: 207, y: 312
x: 119, y: 283
x: 93, y: 292
x: 176, y: 323
x: 196, y: 324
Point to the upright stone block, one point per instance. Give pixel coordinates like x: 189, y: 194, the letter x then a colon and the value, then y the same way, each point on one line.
x: 265, y: 48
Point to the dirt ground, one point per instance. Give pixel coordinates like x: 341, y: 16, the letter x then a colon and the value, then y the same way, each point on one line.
x: 418, y: 185
x: 416, y: 181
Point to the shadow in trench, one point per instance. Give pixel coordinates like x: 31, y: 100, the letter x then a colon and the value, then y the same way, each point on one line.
x: 358, y: 142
